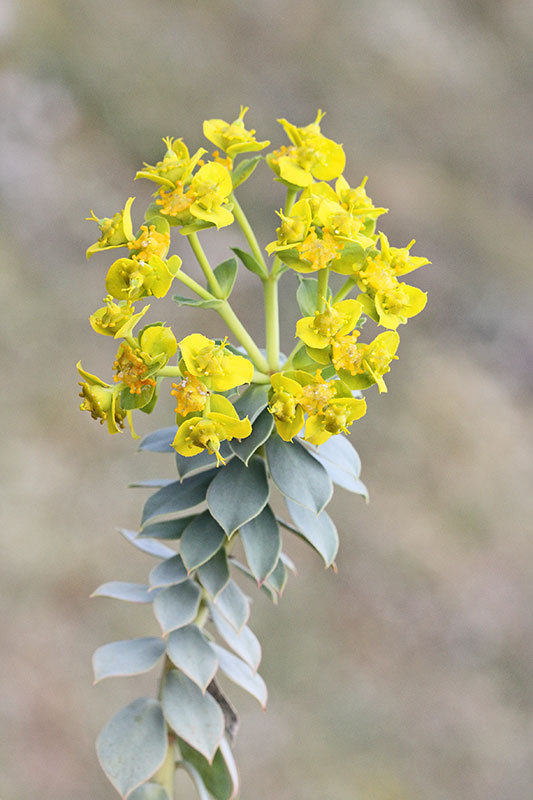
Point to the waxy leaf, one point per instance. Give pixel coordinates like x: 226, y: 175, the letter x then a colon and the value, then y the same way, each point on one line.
x: 196, y: 302
x: 241, y: 674
x: 201, y: 540
x: 238, y: 493
x: 167, y: 529
x: 149, y: 791
x: 265, y: 587
x: 177, y: 606
x: 128, y: 657
x: 297, y: 474
x: 262, y: 543
x: 160, y: 441
x: 153, y: 548
x: 168, y: 573
x: 122, y: 590
x: 342, y: 463
x: 278, y: 578
x: 242, y: 172
x: 233, y: 605
x: 225, y: 273
x: 252, y: 401
x: 194, y: 716
x: 245, y: 643
x: 261, y: 430
x: 188, y: 465
x: 133, y: 745
x: 179, y: 496
x: 250, y: 262
x: 190, y: 651
x: 214, y: 574
x: 319, y: 530
x: 219, y: 778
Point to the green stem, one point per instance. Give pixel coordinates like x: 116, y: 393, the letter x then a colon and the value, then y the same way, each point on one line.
x: 293, y: 352
x: 205, y: 265
x: 166, y: 772
x: 345, y: 290
x: 322, y: 288
x: 196, y: 287
x: 241, y: 334
x: 169, y: 372
x: 289, y: 202
x: 246, y: 228
x: 272, y: 321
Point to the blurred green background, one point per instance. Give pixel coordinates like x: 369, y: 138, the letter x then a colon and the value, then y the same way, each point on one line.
x: 408, y: 675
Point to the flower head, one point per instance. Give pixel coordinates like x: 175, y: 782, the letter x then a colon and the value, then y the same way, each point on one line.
x: 191, y: 395
x: 208, y: 432
x: 213, y: 364
x: 232, y: 138
x: 361, y: 365
x: 176, y: 165
x: 116, y: 231
x: 336, y: 320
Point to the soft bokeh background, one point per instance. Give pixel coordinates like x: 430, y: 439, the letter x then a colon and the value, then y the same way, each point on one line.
x: 407, y: 676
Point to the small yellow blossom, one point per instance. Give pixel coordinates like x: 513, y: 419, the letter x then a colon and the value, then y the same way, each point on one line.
x: 284, y: 405
x: 361, y: 365
x: 232, y: 138
x: 116, y: 231
x: 149, y: 242
x: 102, y: 402
x: 131, y: 369
x: 191, y: 395
x: 208, y: 432
x: 336, y: 418
x: 176, y: 203
x: 211, y: 186
x: 336, y: 320
x: 213, y: 364
x: 176, y: 165
x: 111, y: 317
x: 129, y: 279
x: 317, y: 251
x: 293, y: 229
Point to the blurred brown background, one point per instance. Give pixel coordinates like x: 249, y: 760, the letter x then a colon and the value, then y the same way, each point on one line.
x: 407, y: 676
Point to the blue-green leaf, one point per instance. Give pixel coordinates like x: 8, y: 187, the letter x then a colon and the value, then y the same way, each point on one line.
x: 149, y: 791
x: 160, y: 441
x: 240, y: 673
x: 250, y: 262
x: 225, y: 273
x: 122, y: 590
x: 262, y: 543
x: 261, y: 430
x: 177, y: 606
x: 307, y: 294
x: 153, y: 548
x: 197, y: 302
x: 220, y: 777
x: 265, y: 587
x: 252, y: 401
x: 214, y: 574
x: 244, y: 169
x: 342, y: 462
x: 245, y: 643
x: 233, y: 605
x: 297, y: 474
x: 319, y: 530
x: 127, y: 657
x: 179, y: 496
x: 133, y: 745
x: 278, y: 578
x: 190, y: 651
x: 168, y: 573
x: 167, y: 529
x: 194, y: 716
x: 188, y: 465
x: 238, y: 493
x: 201, y: 540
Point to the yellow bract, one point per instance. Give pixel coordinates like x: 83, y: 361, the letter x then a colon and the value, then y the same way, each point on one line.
x: 210, y: 188
x: 116, y: 231
x: 361, y: 365
x: 206, y: 433
x: 176, y: 165
x: 129, y: 279
x: 219, y: 369
x: 112, y: 317
x: 336, y: 320
x: 232, y: 138
x: 102, y: 402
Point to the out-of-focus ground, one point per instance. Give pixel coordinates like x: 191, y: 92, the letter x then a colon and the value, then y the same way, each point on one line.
x: 407, y: 676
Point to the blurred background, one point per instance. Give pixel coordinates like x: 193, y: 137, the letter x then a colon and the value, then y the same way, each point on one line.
x: 408, y: 675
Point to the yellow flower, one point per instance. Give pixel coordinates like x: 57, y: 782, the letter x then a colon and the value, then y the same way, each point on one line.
x: 111, y: 317
x: 131, y: 369
x: 219, y: 369
x: 356, y: 199
x: 312, y: 155
x: 206, y: 433
x: 129, y: 279
x: 211, y: 186
x: 151, y: 241
x: 316, y: 394
x: 337, y: 319
x: 336, y: 418
x: 293, y: 228
x: 191, y: 395
x: 399, y: 259
x: 176, y: 165
x: 101, y: 401
x: 317, y: 251
x: 116, y: 231
x: 232, y: 138
x: 361, y: 365
x: 284, y: 405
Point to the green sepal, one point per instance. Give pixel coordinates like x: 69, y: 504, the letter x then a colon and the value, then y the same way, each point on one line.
x: 244, y: 169
x: 250, y: 262
x: 226, y: 273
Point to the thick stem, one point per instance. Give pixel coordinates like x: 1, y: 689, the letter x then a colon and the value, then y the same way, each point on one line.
x: 246, y: 228
x: 272, y: 322
x: 241, y: 334
x: 322, y: 288
x: 195, y: 286
x: 345, y: 290
x: 166, y: 773
x: 205, y: 265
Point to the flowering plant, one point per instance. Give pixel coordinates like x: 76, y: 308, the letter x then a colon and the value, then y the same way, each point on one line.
x: 247, y: 421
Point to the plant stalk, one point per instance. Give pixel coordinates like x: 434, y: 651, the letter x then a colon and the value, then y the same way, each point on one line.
x: 247, y: 229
